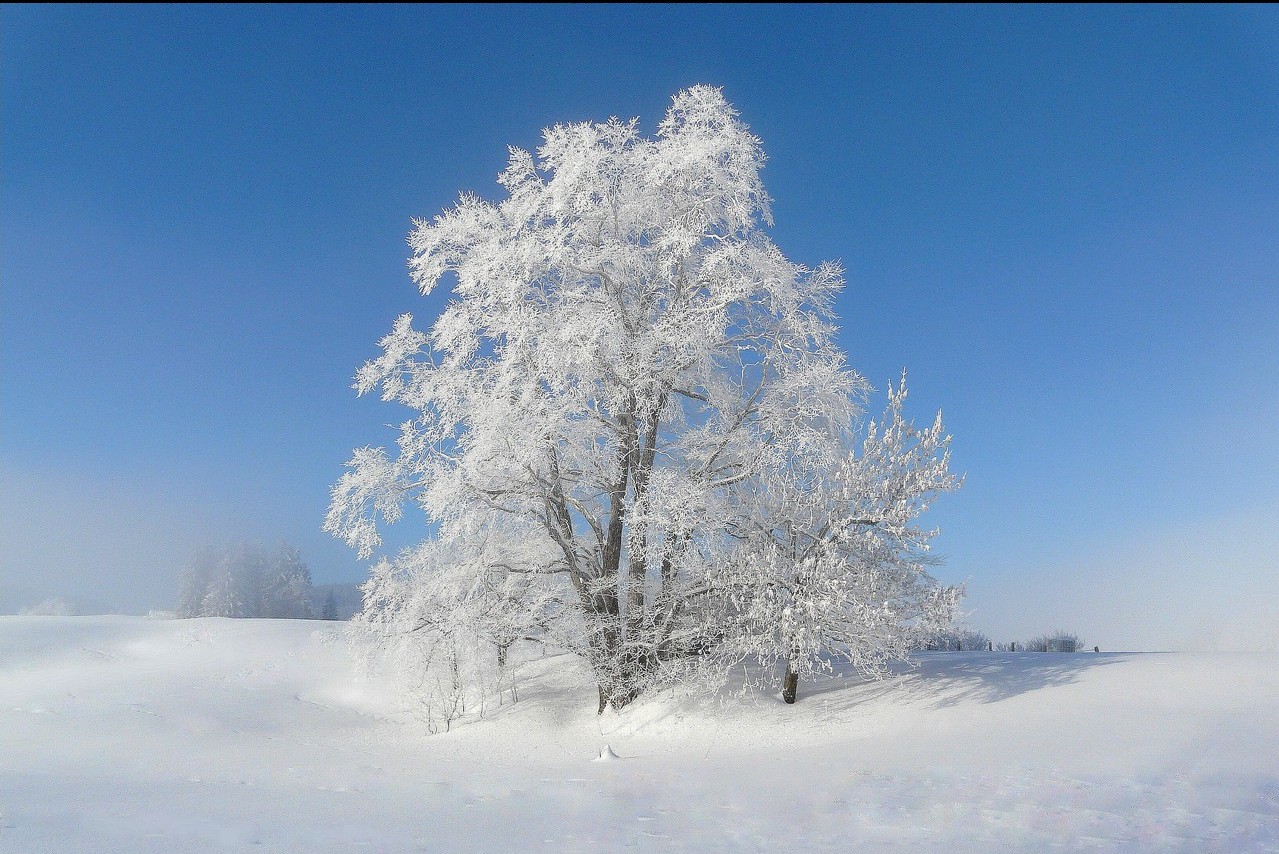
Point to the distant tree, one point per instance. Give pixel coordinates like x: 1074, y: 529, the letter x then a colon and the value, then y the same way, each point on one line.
x: 52, y: 607
x: 243, y: 580
x: 222, y: 598
x: 959, y: 640
x: 1059, y: 641
x: 330, y: 611
x: 195, y: 581
x: 247, y: 564
x: 287, y: 587
x: 1066, y: 642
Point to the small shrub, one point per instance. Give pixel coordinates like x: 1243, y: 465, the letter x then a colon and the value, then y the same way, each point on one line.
x: 1058, y: 641
x: 958, y: 640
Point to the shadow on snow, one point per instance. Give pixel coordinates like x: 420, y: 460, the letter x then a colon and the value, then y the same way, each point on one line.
x: 942, y: 679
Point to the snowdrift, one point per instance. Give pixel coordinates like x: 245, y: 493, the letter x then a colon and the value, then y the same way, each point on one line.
x: 141, y: 735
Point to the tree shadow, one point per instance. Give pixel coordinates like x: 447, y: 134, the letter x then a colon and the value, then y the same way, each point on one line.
x: 940, y: 679
x: 557, y: 698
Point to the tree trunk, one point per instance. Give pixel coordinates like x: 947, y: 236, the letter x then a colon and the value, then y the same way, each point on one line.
x: 790, y: 685
x: 606, y: 642
x: 642, y: 463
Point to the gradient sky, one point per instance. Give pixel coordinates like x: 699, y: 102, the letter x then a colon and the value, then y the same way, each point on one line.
x: 1063, y: 221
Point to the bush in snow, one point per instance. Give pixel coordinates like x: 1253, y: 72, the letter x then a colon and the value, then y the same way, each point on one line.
x: 1058, y: 641
x: 635, y: 436
x: 451, y: 623
x: 958, y: 640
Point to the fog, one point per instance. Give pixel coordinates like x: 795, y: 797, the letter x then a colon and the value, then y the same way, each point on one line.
x: 119, y: 546
x: 1205, y: 586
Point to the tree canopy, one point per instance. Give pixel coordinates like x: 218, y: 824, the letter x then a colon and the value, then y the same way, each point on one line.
x: 635, y: 436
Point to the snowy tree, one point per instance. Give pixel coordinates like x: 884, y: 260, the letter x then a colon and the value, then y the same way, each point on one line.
x: 195, y: 580
x: 451, y: 615
x: 629, y: 380
x: 1058, y: 641
x: 245, y: 581
x: 959, y: 640
x: 844, y: 564
x: 223, y: 597
x: 330, y: 610
x: 286, y: 589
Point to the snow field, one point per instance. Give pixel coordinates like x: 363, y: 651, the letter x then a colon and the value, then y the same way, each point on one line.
x: 131, y: 734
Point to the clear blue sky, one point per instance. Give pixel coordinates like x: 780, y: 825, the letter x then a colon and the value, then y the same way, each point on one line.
x: 1063, y: 221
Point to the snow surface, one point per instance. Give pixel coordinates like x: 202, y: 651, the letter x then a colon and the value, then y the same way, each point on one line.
x: 145, y: 735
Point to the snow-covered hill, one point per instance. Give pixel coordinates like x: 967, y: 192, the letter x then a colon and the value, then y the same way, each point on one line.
x: 139, y: 735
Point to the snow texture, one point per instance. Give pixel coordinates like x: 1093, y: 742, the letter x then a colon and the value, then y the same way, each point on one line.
x: 145, y: 735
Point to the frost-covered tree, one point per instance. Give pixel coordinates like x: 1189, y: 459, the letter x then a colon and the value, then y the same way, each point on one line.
x: 844, y: 562
x: 959, y: 640
x: 246, y: 581
x: 223, y: 597
x: 330, y: 610
x: 286, y: 587
x: 429, y: 611
x: 1058, y: 641
x: 194, y: 582
x: 629, y: 382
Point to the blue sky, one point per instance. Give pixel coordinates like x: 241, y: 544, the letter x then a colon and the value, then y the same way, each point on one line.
x: 1063, y: 221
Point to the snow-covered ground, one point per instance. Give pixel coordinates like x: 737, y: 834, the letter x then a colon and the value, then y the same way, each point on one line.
x: 141, y: 735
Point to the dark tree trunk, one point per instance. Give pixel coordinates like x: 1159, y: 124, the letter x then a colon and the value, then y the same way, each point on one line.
x: 642, y: 463
x: 621, y: 650
x: 790, y: 685
x: 605, y: 641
